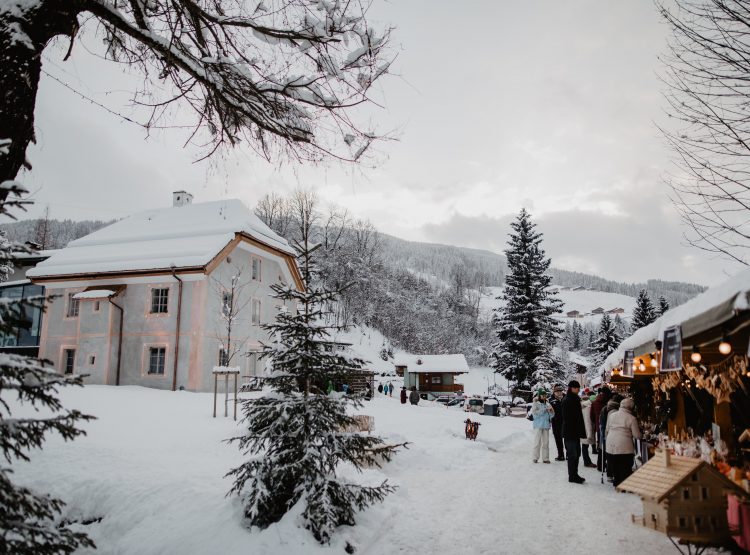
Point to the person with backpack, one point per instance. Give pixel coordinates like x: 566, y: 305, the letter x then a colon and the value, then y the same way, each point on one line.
x: 541, y: 414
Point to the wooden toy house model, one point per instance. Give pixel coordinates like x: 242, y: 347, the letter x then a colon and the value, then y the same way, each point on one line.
x: 684, y: 498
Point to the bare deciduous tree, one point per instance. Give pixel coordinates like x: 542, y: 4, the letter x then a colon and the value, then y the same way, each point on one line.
x: 235, y: 300
x: 276, y: 212
x: 283, y: 73
x: 707, y: 71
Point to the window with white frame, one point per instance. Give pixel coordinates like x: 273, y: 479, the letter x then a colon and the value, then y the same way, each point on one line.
x: 159, y: 300
x: 255, y: 312
x: 73, y: 306
x: 255, y: 272
x: 156, y: 360
x: 69, y: 360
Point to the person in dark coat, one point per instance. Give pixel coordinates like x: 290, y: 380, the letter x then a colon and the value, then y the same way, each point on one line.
x: 403, y: 395
x: 557, y: 421
x: 599, y: 404
x: 414, y: 396
x: 573, y: 430
x: 380, y: 388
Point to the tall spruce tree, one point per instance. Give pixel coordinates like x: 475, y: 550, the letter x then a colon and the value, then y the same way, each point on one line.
x: 663, y: 305
x: 297, y: 433
x: 29, y: 520
x: 606, y: 342
x: 524, y: 323
x: 644, y: 312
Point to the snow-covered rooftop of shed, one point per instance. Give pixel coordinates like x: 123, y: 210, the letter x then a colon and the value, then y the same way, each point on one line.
x: 432, y: 363
x: 735, y: 291
x: 185, y: 236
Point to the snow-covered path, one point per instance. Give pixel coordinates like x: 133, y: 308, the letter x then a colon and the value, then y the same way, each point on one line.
x: 152, y: 466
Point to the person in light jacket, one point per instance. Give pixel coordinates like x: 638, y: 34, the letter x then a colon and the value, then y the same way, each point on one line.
x: 589, y: 439
x: 542, y: 412
x: 622, y: 429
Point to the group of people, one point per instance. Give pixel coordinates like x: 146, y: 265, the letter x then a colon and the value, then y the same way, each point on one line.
x: 413, y: 396
x: 603, y: 422
x: 386, y: 389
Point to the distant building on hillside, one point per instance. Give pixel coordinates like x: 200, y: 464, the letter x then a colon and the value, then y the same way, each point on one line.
x: 143, y: 301
x: 616, y: 311
x: 598, y: 310
x: 434, y: 374
x: 578, y: 288
x: 573, y: 314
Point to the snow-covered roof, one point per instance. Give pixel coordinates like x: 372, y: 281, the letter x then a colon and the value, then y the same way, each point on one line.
x: 186, y: 236
x: 707, y: 310
x: 422, y: 364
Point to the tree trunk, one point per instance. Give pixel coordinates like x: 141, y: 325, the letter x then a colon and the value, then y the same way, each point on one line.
x: 25, y: 30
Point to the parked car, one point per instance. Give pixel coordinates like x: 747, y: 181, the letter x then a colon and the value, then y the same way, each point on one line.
x: 475, y: 404
x: 443, y: 399
x: 456, y: 402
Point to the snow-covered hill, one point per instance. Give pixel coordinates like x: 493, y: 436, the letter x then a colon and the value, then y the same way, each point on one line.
x: 583, y: 301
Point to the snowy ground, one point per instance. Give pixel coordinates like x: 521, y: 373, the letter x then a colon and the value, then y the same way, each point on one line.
x: 152, y: 467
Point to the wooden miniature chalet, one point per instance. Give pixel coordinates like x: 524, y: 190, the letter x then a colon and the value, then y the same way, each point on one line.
x: 684, y: 498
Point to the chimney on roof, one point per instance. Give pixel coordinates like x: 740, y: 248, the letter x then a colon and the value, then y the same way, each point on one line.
x: 181, y: 198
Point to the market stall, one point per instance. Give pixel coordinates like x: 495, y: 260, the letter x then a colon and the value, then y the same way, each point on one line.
x: 689, y: 376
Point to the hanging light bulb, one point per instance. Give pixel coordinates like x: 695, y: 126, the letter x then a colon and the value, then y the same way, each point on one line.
x: 641, y: 366
x: 695, y: 356
x: 725, y: 347
x: 654, y: 362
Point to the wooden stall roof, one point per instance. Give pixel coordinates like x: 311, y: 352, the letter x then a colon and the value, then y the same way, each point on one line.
x: 654, y: 480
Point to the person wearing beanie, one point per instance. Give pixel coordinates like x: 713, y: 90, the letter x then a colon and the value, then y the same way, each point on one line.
x: 622, y: 428
x: 541, y: 412
x: 573, y: 430
x: 590, y: 435
x: 557, y: 421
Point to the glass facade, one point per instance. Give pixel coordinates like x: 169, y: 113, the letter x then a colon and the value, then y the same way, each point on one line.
x: 27, y: 334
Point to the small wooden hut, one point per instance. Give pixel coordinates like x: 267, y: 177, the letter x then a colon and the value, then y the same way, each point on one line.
x: 684, y: 498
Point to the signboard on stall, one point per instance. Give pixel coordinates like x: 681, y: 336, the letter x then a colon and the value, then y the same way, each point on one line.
x: 627, y: 363
x: 671, y: 354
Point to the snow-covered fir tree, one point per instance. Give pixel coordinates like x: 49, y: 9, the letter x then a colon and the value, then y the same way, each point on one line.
x: 606, y: 342
x: 621, y: 327
x: 29, y: 520
x: 663, y: 305
x: 644, y: 312
x: 524, y: 323
x: 299, y: 431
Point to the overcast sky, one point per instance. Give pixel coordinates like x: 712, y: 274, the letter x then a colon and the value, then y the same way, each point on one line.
x: 544, y: 104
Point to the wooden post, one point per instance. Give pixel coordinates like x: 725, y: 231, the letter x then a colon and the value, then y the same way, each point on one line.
x: 226, y: 394
x: 216, y: 387
x: 235, y: 395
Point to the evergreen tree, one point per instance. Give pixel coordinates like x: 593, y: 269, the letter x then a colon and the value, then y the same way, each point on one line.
x: 621, y: 327
x: 297, y: 433
x: 27, y: 518
x: 606, y: 342
x: 663, y: 305
x: 644, y: 312
x: 576, y: 336
x: 524, y: 323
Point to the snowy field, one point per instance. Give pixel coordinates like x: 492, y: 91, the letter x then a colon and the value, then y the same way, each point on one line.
x: 582, y: 301
x: 152, y: 464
